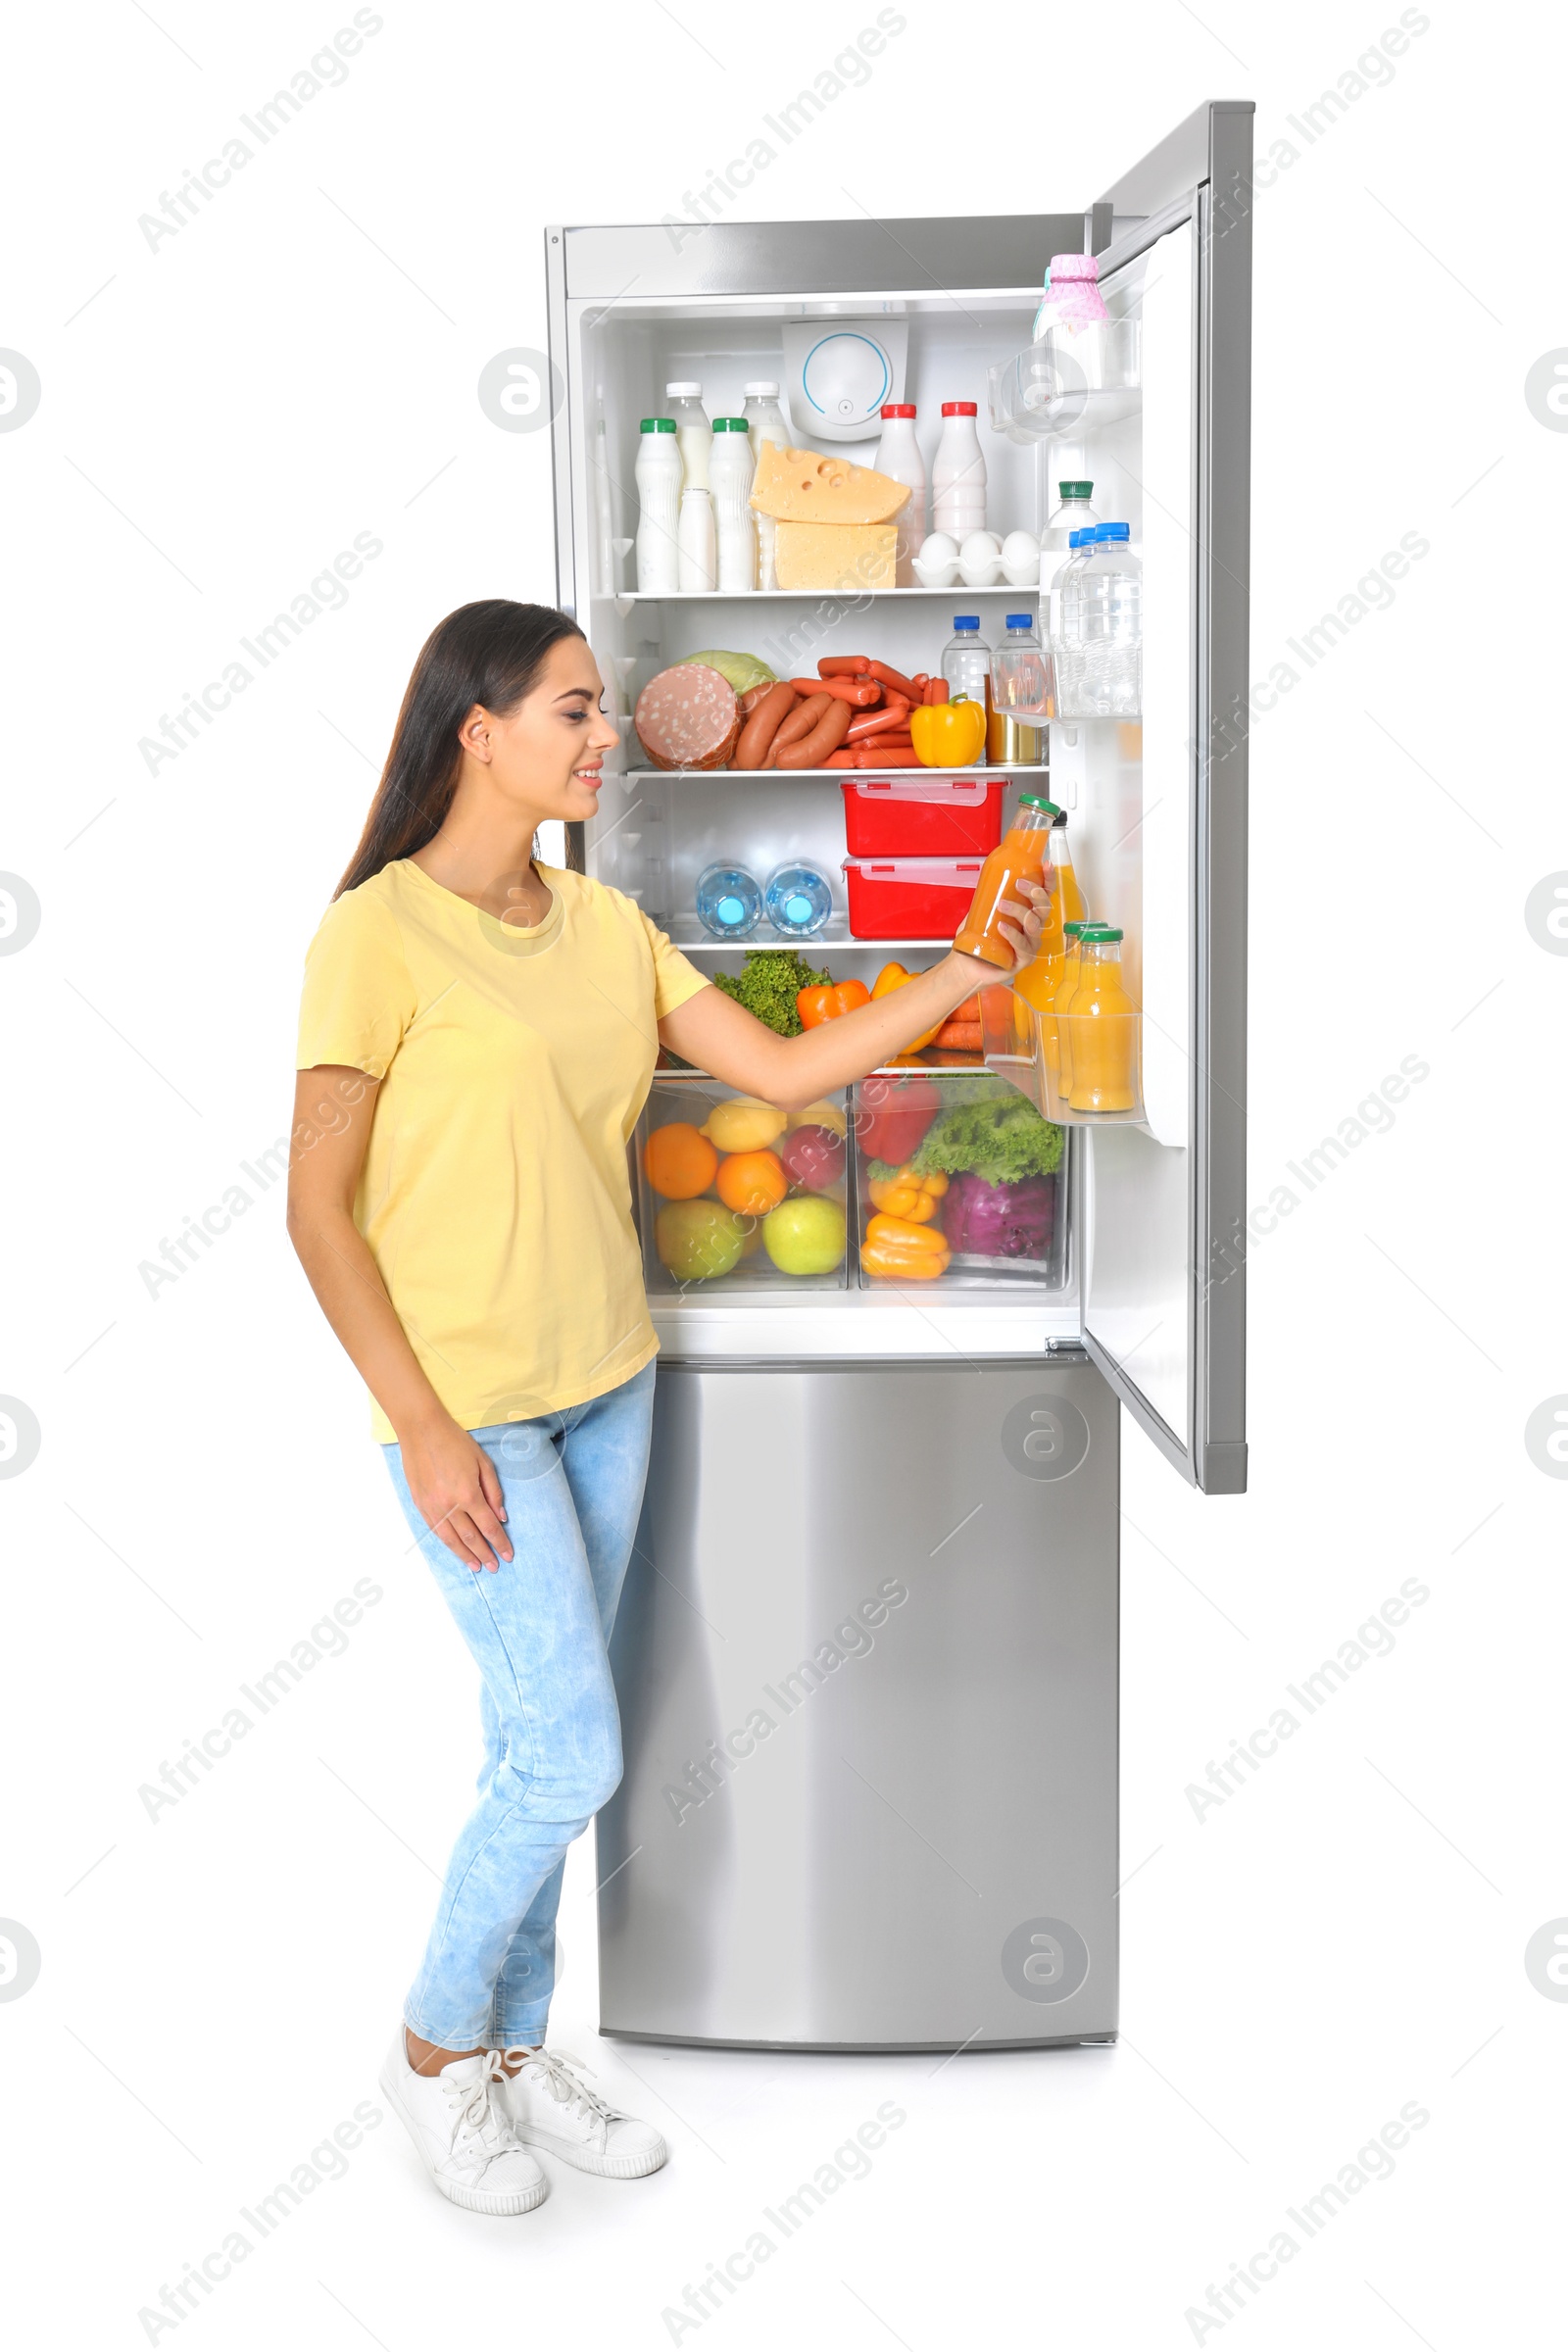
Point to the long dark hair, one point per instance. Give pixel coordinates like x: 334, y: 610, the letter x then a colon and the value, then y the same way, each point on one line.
x: 490, y: 653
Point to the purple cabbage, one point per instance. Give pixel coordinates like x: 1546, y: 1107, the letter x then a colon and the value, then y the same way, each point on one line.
x: 999, y: 1220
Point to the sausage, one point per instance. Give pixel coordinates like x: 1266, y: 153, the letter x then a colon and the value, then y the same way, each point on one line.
x: 750, y: 698
x: 878, y: 722
x: 861, y: 692
x: 841, y: 760
x: 762, y: 724
x: 895, y: 681
x: 826, y: 736
x: 936, y: 691
x: 801, y: 720
x: 878, y: 755
x: 845, y: 666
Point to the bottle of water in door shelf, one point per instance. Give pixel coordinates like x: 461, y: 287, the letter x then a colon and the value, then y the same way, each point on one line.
x: 1110, y: 595
x: 731, y: 468
x: 729, y: 903
x: 1074, y: 513
x: 798, y: 901
x: 1063, y: 626
x: 659, y: 475
x: 699, y: 553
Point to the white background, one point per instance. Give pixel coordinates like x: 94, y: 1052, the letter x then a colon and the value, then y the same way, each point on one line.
x: 1343, y: 1936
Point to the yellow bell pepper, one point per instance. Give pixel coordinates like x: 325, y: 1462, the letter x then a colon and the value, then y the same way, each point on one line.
x: 900, y: 1252
x: 948, y: 734
x: 890, y: 977
x: 903, y: 1194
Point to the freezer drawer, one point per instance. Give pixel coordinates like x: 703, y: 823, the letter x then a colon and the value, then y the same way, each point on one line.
x: 866, y: 1662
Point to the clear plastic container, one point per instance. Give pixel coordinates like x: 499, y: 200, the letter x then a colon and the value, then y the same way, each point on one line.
x: 966, y: 659
x: 1073, y: 514
x: 734, y: 1195
x: 1020, y: 671
x: 730, y: 902
x: 1103, y: 622
x: 922, y: 815
x: 798, y: 901
x: 936, y: 1212
x: 908, y: 898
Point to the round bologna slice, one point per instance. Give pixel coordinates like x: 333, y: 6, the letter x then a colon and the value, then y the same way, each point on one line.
x: 688, y: 717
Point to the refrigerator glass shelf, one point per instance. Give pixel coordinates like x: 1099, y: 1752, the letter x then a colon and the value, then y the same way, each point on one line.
x: 776, y: 775
x: 686, y: 933
x: 623, y: 597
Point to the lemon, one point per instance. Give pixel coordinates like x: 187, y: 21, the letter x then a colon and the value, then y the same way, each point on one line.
x: 819, y: 1114
x: 743, y: 1125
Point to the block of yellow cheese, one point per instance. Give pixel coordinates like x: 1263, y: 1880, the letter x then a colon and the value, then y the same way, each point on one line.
x: 835, y: 554
x: 795, y: 486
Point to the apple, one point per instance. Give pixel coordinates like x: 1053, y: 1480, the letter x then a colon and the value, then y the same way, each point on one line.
x: 804, y: 1234
x: 697, y: 1240
x: 812, y: 1157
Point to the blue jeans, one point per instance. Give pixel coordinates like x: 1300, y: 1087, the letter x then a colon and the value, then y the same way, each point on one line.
x: 538, y: 1626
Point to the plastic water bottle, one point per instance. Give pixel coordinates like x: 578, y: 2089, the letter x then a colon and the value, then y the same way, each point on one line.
x: 730, y: 470
x: 1074, y: 513
x: 799, y: 902
x: 729, y: 903
x: 1064, y: 628
x: 659, y: 475
x: 1020, y: 671
x: 966, y: 660
x: 1111, y: 601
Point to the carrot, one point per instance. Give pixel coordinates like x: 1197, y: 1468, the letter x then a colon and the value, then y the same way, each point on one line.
x: 959, y: 1037
x: 844, y: 665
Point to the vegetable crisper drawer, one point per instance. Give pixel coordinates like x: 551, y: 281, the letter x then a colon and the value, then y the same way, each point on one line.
x: 736, y: 1196
x: 960, y: 1184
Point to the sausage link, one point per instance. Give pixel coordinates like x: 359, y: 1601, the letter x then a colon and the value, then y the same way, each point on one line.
x: 762, y: 724
x: 826, y: 736
x: 895, y: 681
x: 863, y: 693
x: 878, y: 722
x: 801, y: 720
x: 845, y: 666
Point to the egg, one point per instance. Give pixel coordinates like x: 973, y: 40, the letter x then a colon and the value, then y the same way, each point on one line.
x: 981, y: 547
x: 1020, y: 559
x: 938, y: 548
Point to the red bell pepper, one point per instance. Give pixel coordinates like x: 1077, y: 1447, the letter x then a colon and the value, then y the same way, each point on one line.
x: 893, y: 1116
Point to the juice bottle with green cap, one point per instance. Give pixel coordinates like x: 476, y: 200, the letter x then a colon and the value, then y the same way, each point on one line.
x: 1037, y: 982
x: 1022, y: 855
x: 1053, y: 1032
x: 1101, y: 1027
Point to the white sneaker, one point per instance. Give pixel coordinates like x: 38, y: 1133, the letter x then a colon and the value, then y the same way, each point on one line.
x: 456, y: 2123
x: 548, y: 2107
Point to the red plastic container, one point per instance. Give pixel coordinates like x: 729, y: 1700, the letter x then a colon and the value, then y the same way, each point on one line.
x: 922, y: 815
x: 910, y: 898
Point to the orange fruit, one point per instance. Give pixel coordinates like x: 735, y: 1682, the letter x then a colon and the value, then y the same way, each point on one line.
x: 752, y: 1182
x: 679, y: 1161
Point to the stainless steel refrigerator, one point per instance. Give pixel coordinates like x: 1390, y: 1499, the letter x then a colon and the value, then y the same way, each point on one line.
x: 867, y: 1655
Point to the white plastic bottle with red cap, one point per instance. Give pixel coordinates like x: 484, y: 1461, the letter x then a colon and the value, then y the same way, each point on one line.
x: 897, y: 456
x: 959, y: 476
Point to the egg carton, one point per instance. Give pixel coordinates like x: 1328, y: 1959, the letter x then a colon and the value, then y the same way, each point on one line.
x: 982, y: 561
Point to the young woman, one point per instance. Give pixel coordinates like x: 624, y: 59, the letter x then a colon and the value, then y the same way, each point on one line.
x: 477, y: 1038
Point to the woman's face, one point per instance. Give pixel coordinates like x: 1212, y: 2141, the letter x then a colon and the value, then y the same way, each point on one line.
x: 545, y: 757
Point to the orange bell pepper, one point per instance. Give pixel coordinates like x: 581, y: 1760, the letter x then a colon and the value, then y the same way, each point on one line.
x: 948, y: 734
x: 890, y: 977
x: 901, y: 1192
x: 830, y: 1001
x: 900, y: 1251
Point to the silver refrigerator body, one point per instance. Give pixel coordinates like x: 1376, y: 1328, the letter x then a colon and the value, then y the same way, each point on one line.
x: 866, y: 1662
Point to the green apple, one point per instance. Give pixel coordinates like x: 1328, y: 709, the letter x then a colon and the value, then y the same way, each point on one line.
x: 804, y: 1234
x: 698, y: 1239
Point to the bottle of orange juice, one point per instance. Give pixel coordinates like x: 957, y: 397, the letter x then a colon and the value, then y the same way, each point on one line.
x: 1075, y: 906
x: 1022, y: 855
x: 1056, y: 1036
x: 1101, y: 1024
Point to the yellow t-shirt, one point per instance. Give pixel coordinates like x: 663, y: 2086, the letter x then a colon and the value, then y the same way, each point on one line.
x: 514, y: 1064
